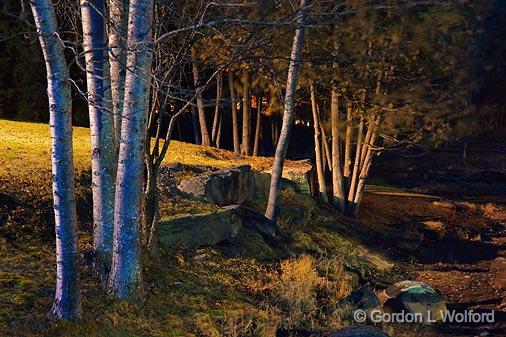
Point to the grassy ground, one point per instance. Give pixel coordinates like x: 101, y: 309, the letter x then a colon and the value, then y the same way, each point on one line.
x: 214, y: 291
x: 242, y: 288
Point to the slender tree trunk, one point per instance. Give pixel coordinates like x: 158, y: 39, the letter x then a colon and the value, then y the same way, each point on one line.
x: 67, y: 303
x: 102, y: 132
x: 337, y: 176
x: 118, y: 18
x: 325, y: 143
x: 125, y: 276
x: 356, y: 167
x: 235, y: 124
x: 347, y: 143
x: 196, y: 129
x: 289, y: 113
x: 246, y: 114
x: 365, y: 168
x: 217, y: 115
x: 322, y: 186
x: 218, y: 135
x: 258, y: 125
x: 204, y: 132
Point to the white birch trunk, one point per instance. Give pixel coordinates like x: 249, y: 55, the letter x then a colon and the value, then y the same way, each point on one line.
x: 125, y: 276
x: 118, y: 18
x: 322, y: 186
x: 356, y: 166
x: 337, y: 175
x: 103, y: 157
x: 289, y: 113
x: 67, y: 303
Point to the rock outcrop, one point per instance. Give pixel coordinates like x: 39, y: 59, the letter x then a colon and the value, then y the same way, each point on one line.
x: 195, y: 230
x: 223, y: 187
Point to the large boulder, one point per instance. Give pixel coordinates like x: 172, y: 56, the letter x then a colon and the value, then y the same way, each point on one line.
x: 414, y: 297
x: 223, y: 187
x: 359, y: 331
x: 195, y: 230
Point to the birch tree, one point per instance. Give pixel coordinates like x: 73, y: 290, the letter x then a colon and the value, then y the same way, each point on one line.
x: 125, y: 275
x: 118, y: 15
x: 103, y: 149
x: 289, y: 113
x: 67, y: 303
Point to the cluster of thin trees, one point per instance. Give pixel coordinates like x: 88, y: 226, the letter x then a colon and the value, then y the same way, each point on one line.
x: 118, y: 50
x: 366, y: 81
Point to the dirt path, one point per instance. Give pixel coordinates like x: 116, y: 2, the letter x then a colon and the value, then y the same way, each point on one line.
x: 471, y: 274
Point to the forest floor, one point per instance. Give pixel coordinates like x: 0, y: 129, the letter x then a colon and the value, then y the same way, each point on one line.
x: 438, y: 219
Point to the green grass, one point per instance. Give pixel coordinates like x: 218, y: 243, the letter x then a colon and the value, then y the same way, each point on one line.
x: 187, y: 292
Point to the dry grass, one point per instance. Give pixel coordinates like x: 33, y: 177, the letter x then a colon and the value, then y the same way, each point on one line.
x: 305, y: 286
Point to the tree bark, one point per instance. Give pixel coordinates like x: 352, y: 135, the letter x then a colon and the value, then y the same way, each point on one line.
x: 289, y: 113
x: 235, y: 124
x: 365, y: 168
x: 347, y: 142
x: 337, y: 177
x: 325, y: 143
x: 102, y: 132
x: 217, y: 117
x: 125, y: 276
x: 204, y: 132
x: 67, y: 304
x: 246, y: 114
x: 218, y: 135
x: 118, y: 18
x: 322, y: 186
x: 356, y: 167
x: 258, y: 125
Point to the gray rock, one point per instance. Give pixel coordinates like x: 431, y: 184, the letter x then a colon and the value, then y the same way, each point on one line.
x: 258, y: 185
x: 201, y: 229
x: 414, y: 297
x: 223, y: 187
x: 359, y: 331
x: 300, y: 178
x: 364, y: 299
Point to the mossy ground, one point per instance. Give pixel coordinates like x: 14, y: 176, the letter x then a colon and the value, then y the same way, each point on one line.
x: 224, y: 290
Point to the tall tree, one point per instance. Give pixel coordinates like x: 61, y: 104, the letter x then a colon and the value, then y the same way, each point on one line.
x: 204, y: 132
x: 125, y: 275
x: 337, y: 176
x: 233, y: 102
x: 67, y: 303
x: 217, y: 114
x: 118, y: 16
x: 103, y: 158
x: 246, y: 113
x: 289, y: 112
x: 322, y: 186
